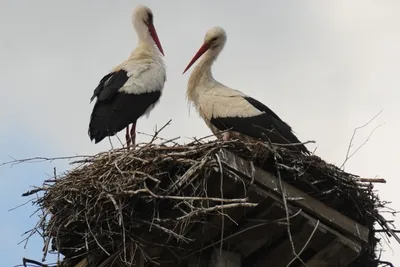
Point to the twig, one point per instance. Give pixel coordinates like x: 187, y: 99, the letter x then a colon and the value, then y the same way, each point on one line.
x: 294, y: 144
x: 287, y: 213
x: 370, y: 180
x: 94, y: 237
x: 41, y: 159
x: 216, y: 207
x: 157, y: 132
x: 109, y: 140
x: 221, y: 170
x: 168, y: 231
x: 23, y: 204
x: 241, y: 232
x: 297, y: 256
x: 354, y: 134
x: 226, y: 200
x: 25, y: 261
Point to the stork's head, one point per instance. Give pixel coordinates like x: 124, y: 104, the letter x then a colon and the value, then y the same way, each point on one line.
x: 214, y: 41
x: 142, y: 20
x: 215, y: 37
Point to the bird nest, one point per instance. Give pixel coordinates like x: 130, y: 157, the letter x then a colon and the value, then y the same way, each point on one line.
x: 118, y: 204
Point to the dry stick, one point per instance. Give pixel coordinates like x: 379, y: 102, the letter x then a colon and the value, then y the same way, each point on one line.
x: 385, y: 223
x: 226, y: 200
x: 109, y: 140
x: 241, y: 232
x: 23, y: 204
x: 168, y: 231
x: 94, y: 237
x: 197, y: 140
x: 370, y: 180
x: 120, y: 142
x: 366, y: 140
x: 222, y: 197
x: 216, y: 207
x: 158, y: 131
x: 385, y: 231
x: 40, y: 159
x: 46, y: 248
x: 305, y: 245
x: 287, y: 213
x: 354, y: 134
x: 172, y: 140
x: 295, y: 144
x: 289, y: 143
x: 25, y: 261
x: 32, y: 232
x: 165, y: 141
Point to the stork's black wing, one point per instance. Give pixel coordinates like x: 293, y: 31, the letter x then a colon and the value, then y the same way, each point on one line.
x: 109, y: 85
x: 115, y: 110
x: 112, y: 115
x: 261, y: 107
x: 267, y: 124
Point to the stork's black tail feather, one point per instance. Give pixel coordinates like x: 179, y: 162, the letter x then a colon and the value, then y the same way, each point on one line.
x: 101, y: 123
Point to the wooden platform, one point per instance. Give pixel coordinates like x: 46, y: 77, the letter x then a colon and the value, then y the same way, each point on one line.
x: 256, y: 237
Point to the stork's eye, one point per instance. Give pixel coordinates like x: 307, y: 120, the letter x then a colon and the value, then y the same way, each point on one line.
x: 149, y: 18
x: 213, y: 39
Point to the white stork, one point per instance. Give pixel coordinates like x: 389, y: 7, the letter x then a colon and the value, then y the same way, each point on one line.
x: 228, y: 110
x: 132, y: 88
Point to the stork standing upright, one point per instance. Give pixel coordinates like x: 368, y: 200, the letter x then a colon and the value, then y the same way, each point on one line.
x: 228, y: 110
x: 132, y: 88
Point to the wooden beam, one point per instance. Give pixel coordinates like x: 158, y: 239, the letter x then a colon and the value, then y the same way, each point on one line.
x: 82, y: 263
x: 216, y: 259
x: 308, y: 203
x: 307, y: 239
x: 337, y: 253
x: 261, y: 235
x: 324, y: 235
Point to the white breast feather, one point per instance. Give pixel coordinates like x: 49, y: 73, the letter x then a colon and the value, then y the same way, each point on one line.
x: 223, y: 102
x: 144, y: 77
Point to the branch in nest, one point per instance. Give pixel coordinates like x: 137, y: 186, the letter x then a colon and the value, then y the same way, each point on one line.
x: 215, y: 208
x: 370, y: 180
x: 25, y: 261
x: 348, y: 155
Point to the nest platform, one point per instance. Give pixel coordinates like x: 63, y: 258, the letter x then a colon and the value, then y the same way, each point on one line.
x: 188, y: 205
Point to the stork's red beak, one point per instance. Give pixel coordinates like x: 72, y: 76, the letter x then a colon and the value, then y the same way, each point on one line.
x: 154, y: 35
x: 199, y: 53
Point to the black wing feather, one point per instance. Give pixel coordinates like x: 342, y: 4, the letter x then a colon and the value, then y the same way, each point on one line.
x: 261, y: 107
x: 113, y: 115
x: 115, y: 110
x: 110, y: 84
x: 266, y: 124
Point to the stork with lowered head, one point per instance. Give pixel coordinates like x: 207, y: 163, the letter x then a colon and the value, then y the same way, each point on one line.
x: 230, y: 111
x: 131, y: 89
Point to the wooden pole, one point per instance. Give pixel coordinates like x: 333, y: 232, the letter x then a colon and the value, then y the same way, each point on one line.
x: 216, y: 259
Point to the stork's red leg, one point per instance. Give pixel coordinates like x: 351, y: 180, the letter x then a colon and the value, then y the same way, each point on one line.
x: 128, y: 138
x: 133, y: 134
x: 226, y: 136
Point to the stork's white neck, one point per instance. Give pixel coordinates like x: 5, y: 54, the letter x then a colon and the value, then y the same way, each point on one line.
x: 201, y: 78
x: 145, y: 49
x: 145, y: 41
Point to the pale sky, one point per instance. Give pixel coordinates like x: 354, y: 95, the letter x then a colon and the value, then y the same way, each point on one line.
x: 325, y: 67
